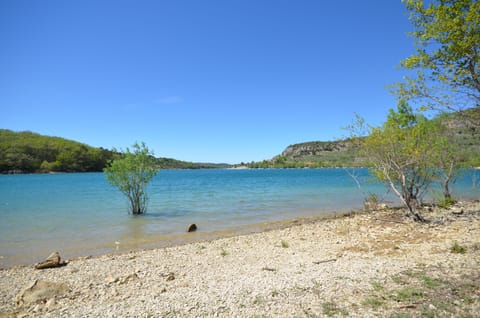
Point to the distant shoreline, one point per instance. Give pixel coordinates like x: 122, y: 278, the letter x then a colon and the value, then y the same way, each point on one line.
x: 233, y: 167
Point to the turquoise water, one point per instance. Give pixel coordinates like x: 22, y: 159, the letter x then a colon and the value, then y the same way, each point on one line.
x: 81, y: 214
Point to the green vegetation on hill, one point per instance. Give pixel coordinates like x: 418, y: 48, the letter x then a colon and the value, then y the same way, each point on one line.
x: 315, y: 154
x: 28, y: 152
x: 168, y: 163
x: 345, y: 153
x: 465, y: 131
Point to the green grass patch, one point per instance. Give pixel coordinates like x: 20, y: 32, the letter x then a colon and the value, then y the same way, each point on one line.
x: 401, y: 315
x: 331, y: 309
x: 431, y: 283
x: 399, y: 280
x: 259, y: 300
x: 428, y: 313
x: 443, y: 202
x: 408, y: 293
x: 373, y: 302
x: 224, y: 252
x: 458, y: 249
x: 425, y: 293
x: 377, y: 286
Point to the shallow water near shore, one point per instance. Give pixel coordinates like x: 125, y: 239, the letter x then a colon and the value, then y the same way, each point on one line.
x: 81, y: 214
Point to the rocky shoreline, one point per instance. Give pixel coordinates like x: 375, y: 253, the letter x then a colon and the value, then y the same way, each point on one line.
x: 369, y: 264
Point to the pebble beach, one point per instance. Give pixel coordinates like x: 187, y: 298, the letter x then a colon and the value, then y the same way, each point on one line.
x: 368, y: 264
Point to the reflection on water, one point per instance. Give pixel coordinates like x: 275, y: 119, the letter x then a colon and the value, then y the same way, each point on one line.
x: 166, y: 214
x: 135, y: 230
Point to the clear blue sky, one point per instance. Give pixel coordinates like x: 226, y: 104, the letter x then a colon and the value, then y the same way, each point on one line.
x: 199, y: 80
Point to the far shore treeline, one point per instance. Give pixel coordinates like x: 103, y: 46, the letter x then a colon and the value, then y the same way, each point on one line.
x: 28, y: 152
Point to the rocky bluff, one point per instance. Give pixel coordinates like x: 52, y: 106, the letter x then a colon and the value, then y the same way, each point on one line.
x: 315, y: 148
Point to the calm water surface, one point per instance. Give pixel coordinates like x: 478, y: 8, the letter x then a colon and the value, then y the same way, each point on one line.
x: 81, y: 214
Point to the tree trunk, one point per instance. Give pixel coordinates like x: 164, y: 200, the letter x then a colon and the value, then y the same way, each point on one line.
x: 446, y: 190
x: 137, y: 206
x: 446, y: 193
x: 417, y: 217
x: 135, y: 199
x: 406, y: 199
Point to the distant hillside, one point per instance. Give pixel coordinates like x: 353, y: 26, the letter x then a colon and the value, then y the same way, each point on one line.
x: 168, y: 163
x: 465, y: 129
x: 314, y: 154
x: 28, y: 152
x: 343, y: 153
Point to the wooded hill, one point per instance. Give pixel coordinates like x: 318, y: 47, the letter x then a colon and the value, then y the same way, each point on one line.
x: 28, y: 152
x: 345, y: 153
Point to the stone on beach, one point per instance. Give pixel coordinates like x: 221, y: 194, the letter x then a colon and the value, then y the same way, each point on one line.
x: 192, y: 228
x: 170, y: 277
x: 41, y: 291
x: 52, y: 261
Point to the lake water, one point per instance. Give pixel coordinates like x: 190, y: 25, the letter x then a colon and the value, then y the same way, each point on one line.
x: 81, y: 214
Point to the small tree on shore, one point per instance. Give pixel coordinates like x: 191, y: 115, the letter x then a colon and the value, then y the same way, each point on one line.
x: 446, y: 158
x: 400, y: 153
x: 131, y: 173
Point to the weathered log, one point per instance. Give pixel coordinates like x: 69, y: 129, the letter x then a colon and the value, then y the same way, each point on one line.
x: 52, y: 261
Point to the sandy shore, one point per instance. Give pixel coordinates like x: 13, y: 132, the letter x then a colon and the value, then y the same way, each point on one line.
x: 375, y: 264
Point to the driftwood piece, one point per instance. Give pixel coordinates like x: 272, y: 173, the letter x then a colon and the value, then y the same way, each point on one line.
x: 52, y: 261
x: 325, y: 261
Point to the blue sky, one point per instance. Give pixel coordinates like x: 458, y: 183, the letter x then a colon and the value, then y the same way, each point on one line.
x: 199, y: 80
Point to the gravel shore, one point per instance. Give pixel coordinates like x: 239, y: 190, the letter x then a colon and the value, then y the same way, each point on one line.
x: 367, y: 265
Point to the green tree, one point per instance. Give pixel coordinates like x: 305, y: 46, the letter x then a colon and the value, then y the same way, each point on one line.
x: 447, y: 61
x: 447, y: 156
x: 131, y: 174
x: 400, y: 153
